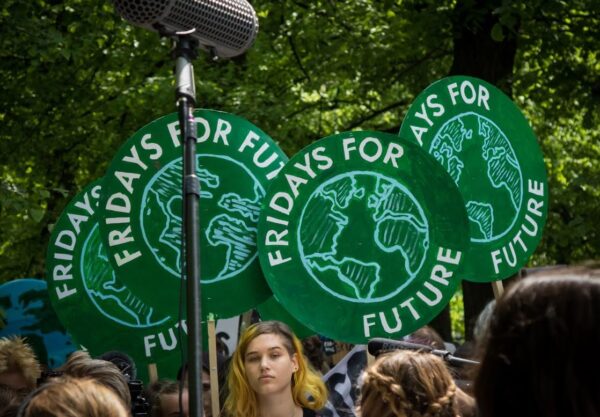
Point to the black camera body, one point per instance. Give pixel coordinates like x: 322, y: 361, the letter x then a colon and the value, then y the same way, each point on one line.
x: 140, y: 406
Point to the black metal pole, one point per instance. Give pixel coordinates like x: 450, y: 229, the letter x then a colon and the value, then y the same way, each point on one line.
x: 186, y: 51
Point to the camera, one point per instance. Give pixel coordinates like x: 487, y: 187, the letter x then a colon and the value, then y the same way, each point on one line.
x: 140, y: 406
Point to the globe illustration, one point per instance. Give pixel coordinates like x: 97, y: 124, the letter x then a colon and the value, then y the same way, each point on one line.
x: 112, y: 299
x: 26, y: 311
x: 230, y: 197
x: 480, y: 159
x: 362, y: 236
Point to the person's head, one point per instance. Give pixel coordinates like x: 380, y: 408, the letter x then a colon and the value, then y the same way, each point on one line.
x: 482, y: 322
x: 81, y: 365
x: 539, y: 349
x: 313, y: 350
x: 206, y: 383
x: 164, y: 399
x: 19, y: 367
x: 426, y: 335
x: 269, y: 360
x: 73, y: 397
x: 407, y: 383
x: 10, y: 399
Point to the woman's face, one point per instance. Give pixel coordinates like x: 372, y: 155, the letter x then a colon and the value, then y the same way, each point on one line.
x: 269, y: 366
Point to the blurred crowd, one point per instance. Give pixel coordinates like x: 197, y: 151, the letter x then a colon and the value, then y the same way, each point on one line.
x: 532, y: 355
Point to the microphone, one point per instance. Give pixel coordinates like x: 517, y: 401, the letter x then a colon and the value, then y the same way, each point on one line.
x: 226, y: 28
x: 379, y: 345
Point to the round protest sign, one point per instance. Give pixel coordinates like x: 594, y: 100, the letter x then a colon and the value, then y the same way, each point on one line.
x: 99, y: 311
x: 142, y: 212
x: 485, y: 143
x: 273, y: 310
x: 357, y: 240
x: 25, y: 311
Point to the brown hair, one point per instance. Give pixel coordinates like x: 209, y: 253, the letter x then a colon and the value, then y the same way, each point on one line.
x: 156, y: 392
x: 71, y: 397
x: 538, y: 352
x: 427, y: 335
x: 407, y: 384
x: 18, y: 356
x: 80, y: 365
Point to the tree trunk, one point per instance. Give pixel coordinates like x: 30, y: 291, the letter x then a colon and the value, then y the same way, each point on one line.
x: 477, y: 54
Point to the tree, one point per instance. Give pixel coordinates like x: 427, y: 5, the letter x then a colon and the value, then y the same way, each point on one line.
x: 78, y: 81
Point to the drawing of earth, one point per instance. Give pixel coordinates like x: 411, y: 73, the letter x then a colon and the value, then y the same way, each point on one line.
x: 472, y: 146
x: 112, y: 299
x: 230, y: 198
x: 362, y: 236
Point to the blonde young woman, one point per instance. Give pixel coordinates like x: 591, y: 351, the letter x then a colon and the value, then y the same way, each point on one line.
x: 269, y: 376
x: 408, y: 384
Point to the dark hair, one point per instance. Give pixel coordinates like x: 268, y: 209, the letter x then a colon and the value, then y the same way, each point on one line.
x: 10, y: 399
x: 426, y: 335
x: 157, y: 390
x: 539, y: 350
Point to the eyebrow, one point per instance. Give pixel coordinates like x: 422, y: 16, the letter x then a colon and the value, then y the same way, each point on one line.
x: 269, y: 349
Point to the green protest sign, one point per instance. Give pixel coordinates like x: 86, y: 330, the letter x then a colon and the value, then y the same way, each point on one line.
x: 485, y: 143
x: 142, y: 206
x: 357, y: 241
x: 99, y: 311
x: 273, y: 310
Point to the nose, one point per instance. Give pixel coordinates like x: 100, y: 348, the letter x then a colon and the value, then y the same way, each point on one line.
x: 264, y: 362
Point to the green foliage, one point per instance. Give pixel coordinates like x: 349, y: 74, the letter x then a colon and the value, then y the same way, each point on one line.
x: 457, y: 317
x: 78, y: 81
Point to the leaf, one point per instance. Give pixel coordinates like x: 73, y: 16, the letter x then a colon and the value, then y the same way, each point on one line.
x: 497, y: 33
x: 36, y: 214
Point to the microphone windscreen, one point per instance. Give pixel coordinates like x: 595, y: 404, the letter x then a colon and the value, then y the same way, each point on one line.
x: 379, y: 345
x: 122, y: 361
x: 228, y: 27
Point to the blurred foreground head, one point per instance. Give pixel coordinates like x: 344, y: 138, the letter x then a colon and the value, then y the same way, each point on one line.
x: 19, y: 367
x: 540, y: 348
x: 66, y: 397
x: 81, y: 365
x: 406, y: 384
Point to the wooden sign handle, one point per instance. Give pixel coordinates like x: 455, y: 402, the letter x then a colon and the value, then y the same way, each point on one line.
x: 214, y: 373
x: 152, y: 373
x: 498, y: 288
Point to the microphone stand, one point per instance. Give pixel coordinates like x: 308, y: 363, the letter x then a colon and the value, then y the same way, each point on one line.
x: 185, y: 51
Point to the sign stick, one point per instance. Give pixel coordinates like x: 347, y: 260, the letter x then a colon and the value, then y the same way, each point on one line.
x: 152, y: 373
x: 212, y: 362
x: 498, y: 288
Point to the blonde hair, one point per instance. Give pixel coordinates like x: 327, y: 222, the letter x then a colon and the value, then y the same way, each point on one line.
x: 81, y: 365
x: 408, y: 384
x: 308, y: 390
x: 18, y: 356
x: 72, y: 397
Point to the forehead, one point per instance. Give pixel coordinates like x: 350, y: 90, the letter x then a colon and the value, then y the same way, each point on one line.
x: 265, y: 342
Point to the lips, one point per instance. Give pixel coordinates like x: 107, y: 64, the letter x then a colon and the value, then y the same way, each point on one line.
x: 266, y: 377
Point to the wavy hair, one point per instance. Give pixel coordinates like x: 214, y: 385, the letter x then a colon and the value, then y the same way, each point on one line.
x: 308, y: 390
x: 408, y: 384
